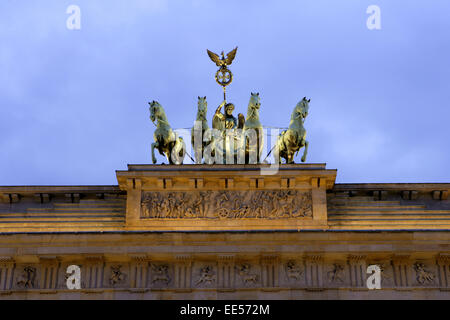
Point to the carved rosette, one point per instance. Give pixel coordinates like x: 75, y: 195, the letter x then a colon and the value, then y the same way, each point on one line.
x: 261, y: 204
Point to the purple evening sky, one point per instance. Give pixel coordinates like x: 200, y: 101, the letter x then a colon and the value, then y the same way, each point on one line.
x: 73, y: 103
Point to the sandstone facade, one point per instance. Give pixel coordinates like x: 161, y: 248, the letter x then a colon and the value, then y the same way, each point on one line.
x: 225, y: 232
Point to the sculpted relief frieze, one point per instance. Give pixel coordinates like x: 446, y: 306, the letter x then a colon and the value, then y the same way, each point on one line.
x: 26, y: 278
x: 298, y: 271
x: 160, y: 274
x: 266, y: 204
x: 247, y: 274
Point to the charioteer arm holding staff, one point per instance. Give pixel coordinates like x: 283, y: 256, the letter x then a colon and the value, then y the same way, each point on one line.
x: 224, y: 120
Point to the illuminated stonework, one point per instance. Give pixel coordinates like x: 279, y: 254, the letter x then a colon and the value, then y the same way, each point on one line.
x: 225, y: 232
x: 267, y: 204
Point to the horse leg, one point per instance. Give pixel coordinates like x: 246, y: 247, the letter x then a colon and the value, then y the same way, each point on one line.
x: 277, y: 152
x: 289, y: 146
x: 198, y: 152
x: 171, y: 151
x: 290, y: 157
x: 198, y: 145
x: 260, y: 145
x: 280, y: 149
x: 154, y: 145
x: 199, y: 155
x: 181, y: 149
x: 278, y: 155
x: 305, y: 152
x: 290, y: 151
x: 176, y: 152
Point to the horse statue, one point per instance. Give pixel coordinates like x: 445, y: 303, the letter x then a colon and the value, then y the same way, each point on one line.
x: 291, y: 140
x: 253, y: 145
x: 166, y: 140
x: 198, y: 131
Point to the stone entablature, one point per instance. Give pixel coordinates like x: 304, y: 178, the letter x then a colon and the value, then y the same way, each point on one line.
x: 225, y: 265
x: 226, y: 197
x: 61, y: 208
x: 389, y: 206
x: 194, y: 197
x: 226, y: 231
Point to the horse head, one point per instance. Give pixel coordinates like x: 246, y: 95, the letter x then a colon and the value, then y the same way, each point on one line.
x: 254, y: 101
x: 253, y: 106
x: 202, y: 108
x: 302, y: 108
x: 156, y: 111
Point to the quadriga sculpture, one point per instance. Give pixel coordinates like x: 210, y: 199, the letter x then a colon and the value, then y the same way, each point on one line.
x: 291, y: 140
x: 253, y: 131
x: 226, y: 139
x: 166, y: 141
x: 198, y: 131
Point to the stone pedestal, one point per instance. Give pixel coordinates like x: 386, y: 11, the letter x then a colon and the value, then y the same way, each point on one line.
x: 226, y: 197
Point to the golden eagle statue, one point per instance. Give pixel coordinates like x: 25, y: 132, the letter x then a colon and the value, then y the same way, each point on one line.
x: 222, y: 62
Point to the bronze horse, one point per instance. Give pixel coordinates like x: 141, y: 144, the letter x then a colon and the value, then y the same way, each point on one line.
x: 198, y: 131
x: 291, y: 140
x: 253, y: 146
x: 166, y: 140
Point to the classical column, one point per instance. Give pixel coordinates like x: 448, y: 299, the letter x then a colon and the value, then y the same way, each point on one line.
x: 94, y: 272
x: 225, y: 272
x: 183, y: 272
x: 357, y: 267
x: 49, y: 272
x: 6, y: 273
x: 314, y: 270
x: 443, y: 262
x: 402, y: 275
x: 139, y: 271
x: 269, y: 271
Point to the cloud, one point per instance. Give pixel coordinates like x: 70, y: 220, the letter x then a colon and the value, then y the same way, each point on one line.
x: 71, y: 101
